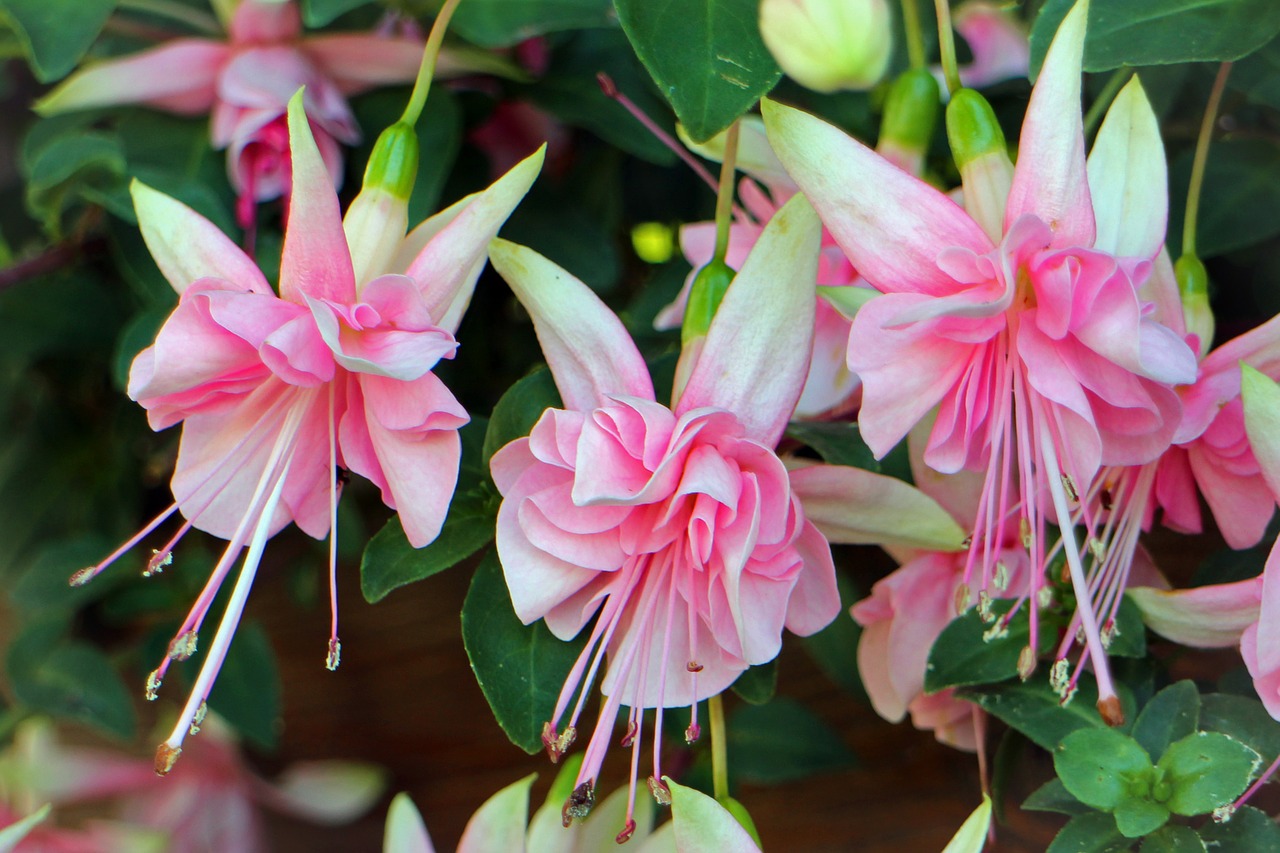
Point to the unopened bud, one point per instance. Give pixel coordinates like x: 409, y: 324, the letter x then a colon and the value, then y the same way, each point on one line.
x: 828, y: 45
x: 393, y: 163
x: 1193, y: 287
x: 910, y: 115
x: 982, y: 156
x: 708, y: 289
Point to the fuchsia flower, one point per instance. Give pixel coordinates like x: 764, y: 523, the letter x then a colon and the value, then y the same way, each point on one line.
x: 246, y: 82
x: 1001, y: 50
x: 279, y: 393
x: 1021, y: 321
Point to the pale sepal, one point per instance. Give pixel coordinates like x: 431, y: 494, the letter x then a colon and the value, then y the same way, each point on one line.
x: 1204, y: 617
x: 12, y: 835
x: 405, y: 832
x: 972, y: 835
x: 500, y: 823
x: 328, y: 792
x: 704, y: 826
x: 1261, y: 397
x: 1128, y: 178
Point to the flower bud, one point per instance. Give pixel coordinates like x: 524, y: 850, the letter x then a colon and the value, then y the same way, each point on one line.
x: 709, y: 287
x: 1193, y: 287
x: 828, y: 45
x: 393, y: 163
x: 910, y: 114
x: 982, y: 156
x: 377, y: 219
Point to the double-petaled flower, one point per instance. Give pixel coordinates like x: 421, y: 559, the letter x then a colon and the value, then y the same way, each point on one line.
x: 1020, y: 321
x: 279, y: 393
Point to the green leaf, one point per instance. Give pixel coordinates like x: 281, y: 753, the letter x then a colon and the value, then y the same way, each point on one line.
x: 782, y: 741
x: 1102, y: 767
x: 520, y: 668
x: 837, y: 443
x: 1206, y: 770
x: 1244, y: 719
x: 963, y: 656
x: 318, y: 13
x: 1053, y: 796
x: 519, y: 409
x: 1130, y: 637
x: 56, y: 33
x: 1248, y: 831
x: 62, y: 169
x: 1259, y: 76
x: 1174, y: 838
x: 1162, y: 32
x: 1241, y: 191
x: 1094, y: 832
x: 247, y: 692
x: 502, y: 23
x: 1171, y: 715
x: 55, y: 675
x: 835, y: 648
x: 1137, y: 816
x: 1035, y: 710
x: 707, y: 58
x: 390, y: 562
x: 758, y: 684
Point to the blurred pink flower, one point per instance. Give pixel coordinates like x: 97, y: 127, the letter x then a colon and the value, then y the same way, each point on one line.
x: 999, y: 43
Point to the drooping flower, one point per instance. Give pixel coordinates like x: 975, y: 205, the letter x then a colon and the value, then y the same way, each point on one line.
x: 999, y: 44
x: 678, y: 528
x: 1020, y: 320
x: 279, y: 394
x: 246, y: 82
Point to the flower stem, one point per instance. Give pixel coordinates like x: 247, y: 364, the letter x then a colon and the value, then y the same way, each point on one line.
x: 947, y: 46
x: 1108, y: 94
x: 1201, y: 159
x: 915, y: 37
x: 430, y: 53
x: 724, y: 193
x: 719, y: 751
x: 180, y: 12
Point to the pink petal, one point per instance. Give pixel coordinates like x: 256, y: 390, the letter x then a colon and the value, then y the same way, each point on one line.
x: 177, y: 77
x: 356, y: 62
x: 186, y: 246
x: 890, y: 225
x: 315, y: 261
x: 758, y: 348
x: 1049, y: 179
x: 1260, y: 645
x: 589, y: 351
x: 1242, y: 505
x: 265, y: 21
x: 815, y: 600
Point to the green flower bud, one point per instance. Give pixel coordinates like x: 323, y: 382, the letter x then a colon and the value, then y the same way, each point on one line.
x: 393, y: 164
x: 910, y: 112
x: 709, y: 287
x: 972, y: 128
x: 1193, y: 287
x: 828, y: 45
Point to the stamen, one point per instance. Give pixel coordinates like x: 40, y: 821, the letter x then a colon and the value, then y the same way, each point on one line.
x: 693, y: 666
x: 692, y: 733
x: 630, y: 736
x: 83, y: 576
x: 1026, y: 662
x: 198, y: 720
x: 961, y: 602
x: 160, y: 560
x: 166, y: 757
x: 661, y: 793
x: 579, y: 803
x: 154, y: 680
x: 183, y: 646
x: 334, y: 657
x: 627, y: 831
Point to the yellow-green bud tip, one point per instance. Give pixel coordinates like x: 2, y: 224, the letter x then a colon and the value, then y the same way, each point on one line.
x: 393, y: 164
x: 911, y: 111
x: 972, y: 128
x: 1193, y: 287
x: 709, y: 286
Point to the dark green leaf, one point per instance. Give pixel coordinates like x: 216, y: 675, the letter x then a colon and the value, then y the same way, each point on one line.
x: 707, y: 58
x: 1248, y: 831
x: 758, y: 684
x: 71, y: 680
x: 1130, y: 638
x: 501, y: 23
x: 1161, y: 32
x: 555, y: 225
x: 837, y: 443
x: 45, y: 582
x: 1102, y: 767
x: 1207, y: 770
x: 1137, y: 816
x: 247, y: 692
x: 835, y: 647
x: 782, y: 741
x: 520, y: 668
x: 519, y: 409
x: 56, y: 33
x: 1244, y: 719
x: 389, y: 560
x: 1053, y: 796
x: 68, y: 164
x: 317, y: 13
x: 1035, y: 710
x: 1241, y: 194
x: 1171, y: 715
x: 1094, y: 832
x: 1174, y: 838
x: 1259, y: 75
x: 971, y: 650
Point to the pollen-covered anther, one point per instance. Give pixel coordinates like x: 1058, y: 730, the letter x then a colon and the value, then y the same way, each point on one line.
x: 198, y: 720
x: 961, y: 602
x: 692, y: 733
x: 1109, y: 633
x: 661, y: 793
x: 1060, y: 677
x: 693, y: 666
x: 1044, y: 597
x: 1222, y: 814
x: 83, y: 576
x: 984, y: 606
x: 1026, y: 662
x: 158, y: 562
x: 183, y: 646
x: 166, y: 757
x: 1111, y: 711
x: 334, y: 657
x: 579, y: 803
x: 550, y: 742
x: 627, y: 831
x: 1000, y: 579
x: 1024, y: 531
x: 1098, y: 550
x: 153, y: 685
x: 630, y: 737
x: 998, y: 630
x: 566, y: 739
x: 1069, y: 486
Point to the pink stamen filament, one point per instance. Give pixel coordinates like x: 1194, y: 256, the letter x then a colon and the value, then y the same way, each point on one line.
x: 85, y: 575
x: 331, y: 661
x: 1253, y: 789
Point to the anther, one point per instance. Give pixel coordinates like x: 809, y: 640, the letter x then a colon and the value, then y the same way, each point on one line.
x: 661, y: 793
x: 1026, y: 662
x: 1024, y: 529
x: 961, y: 602
x: 83, y: 576
x: 153, y: 685
x: 1001, y: 578
x: 334, y: 657
x: 984, y: 606
x: 692, y: 733
x: 1109, y: 633
x: 693, y: 666
x: 166, y: 757
x: 627, y: 831
x: 158, y: 562
x: 1222, y: 814
x: 1069, y: 485
x: 997, y: 631
x: 1060, y: 677
x: 1098, y: 550
x: 198, y: 720
x: 630, y: 737
x: 183, y: 646
x: 578, y: 804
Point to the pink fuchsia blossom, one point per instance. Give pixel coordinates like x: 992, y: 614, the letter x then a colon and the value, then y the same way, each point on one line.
x: 246, y: 82
x: 1023, y: 326
x: 998, y: 41
x: 678, y: 528
x: 279, y: 393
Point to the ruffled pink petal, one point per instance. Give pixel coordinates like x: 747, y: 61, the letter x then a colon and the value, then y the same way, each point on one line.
x: 1242, y: 505
x: 815, y: 599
